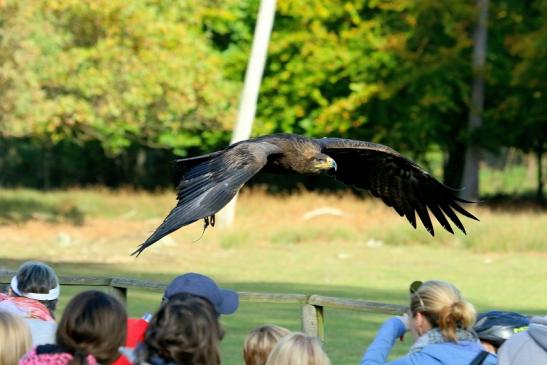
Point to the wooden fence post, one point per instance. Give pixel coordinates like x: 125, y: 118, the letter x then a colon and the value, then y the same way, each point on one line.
x: 119, y: 292
x: 313, y: 321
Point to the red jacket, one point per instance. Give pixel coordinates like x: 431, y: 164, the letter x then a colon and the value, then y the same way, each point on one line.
x: 136, y: 327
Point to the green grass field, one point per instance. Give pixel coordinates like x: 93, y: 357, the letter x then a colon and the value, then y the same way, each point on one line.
x: 367, y: 252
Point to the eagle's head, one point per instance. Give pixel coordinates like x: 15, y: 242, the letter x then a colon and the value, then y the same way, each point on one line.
x: 322, y: 162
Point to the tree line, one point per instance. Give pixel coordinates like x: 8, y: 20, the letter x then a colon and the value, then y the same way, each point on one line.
x: 110, y: 91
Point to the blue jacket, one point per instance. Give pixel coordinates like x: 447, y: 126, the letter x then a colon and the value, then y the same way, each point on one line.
x: 448, y: 353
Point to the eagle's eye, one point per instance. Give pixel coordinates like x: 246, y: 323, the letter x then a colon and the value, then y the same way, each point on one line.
x: 325, y: 162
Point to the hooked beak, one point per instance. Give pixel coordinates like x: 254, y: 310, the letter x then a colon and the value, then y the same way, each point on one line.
x: 328, y: 164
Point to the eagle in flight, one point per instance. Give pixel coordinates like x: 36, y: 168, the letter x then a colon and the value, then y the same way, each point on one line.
x: 210, y: 181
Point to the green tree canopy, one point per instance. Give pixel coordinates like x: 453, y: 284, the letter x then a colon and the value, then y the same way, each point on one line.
x: 166, y: 75
x: 118, y: 72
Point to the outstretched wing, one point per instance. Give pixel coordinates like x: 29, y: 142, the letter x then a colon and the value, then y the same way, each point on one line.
x: 209, y: 182
x: 399, y: 182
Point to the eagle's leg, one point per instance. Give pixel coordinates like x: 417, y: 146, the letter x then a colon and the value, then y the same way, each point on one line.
x: 206, y: 223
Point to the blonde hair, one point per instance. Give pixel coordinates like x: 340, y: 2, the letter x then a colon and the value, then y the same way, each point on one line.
x: 298, y: 349
x: 16, y: 338
x: 260, y: 342
x: 444, y: 307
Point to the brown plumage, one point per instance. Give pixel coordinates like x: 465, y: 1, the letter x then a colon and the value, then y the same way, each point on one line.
x: 210, y: 181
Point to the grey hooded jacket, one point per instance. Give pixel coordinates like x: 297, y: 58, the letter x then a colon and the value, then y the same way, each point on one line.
x: 528, y: 347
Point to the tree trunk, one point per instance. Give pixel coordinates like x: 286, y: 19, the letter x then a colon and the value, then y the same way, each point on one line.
x: 453, y: 166
x: 46, y: 166
x: 472, y: 154
x: 140, y: 166
x: 539, y: 155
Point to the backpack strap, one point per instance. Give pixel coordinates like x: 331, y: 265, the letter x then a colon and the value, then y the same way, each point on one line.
x: 479, y: 359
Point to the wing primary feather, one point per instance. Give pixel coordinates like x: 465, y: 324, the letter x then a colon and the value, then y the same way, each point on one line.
x: 399, y: 210
x: 398, y: 181
x: 453, y: 217
x: 434, y: 208
x: 464, y: 201
x: 409, y: 210
x: 411, y: 217
x: 187, y: 196
x: 403, y: 207
x: 186, y: 192
x: 197, y: 170
x: 419, y: 203
x: 139, y: 250
x: 388, y: 202
x: 421, y: 209
x: 195, y: 180
x: 458, y: 208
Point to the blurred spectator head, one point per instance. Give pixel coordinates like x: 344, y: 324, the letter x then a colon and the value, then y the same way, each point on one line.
x: 182, y: 332
x: 260, y: 342
x: 495, y: 327
x: 15, y: 338
x: 298, y: 349
x: 439, y: 304
x: 38, y: 281
x: 93, y: 323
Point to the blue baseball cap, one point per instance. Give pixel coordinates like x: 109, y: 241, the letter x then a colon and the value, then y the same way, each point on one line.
x: 224, y: 301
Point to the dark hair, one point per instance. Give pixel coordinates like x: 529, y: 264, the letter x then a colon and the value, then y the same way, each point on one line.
x: 186, y: 332
x: 93, y: 323
x: 37, y: 277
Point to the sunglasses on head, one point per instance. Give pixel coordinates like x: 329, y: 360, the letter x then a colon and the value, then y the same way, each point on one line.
x: 415, y: 286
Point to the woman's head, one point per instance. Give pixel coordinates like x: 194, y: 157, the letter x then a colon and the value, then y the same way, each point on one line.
x: 184, y: 332
x: 441, y: 305
x: 93, y: 323
x: 16, y: 338
x: 260, y: 342
x: 36, y: 280
x: 298, y: 349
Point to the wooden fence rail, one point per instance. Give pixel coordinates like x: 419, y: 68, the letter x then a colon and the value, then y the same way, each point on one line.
x: 313, y: 306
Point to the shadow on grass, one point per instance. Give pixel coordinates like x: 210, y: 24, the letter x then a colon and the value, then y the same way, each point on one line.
x: 21, y: 210
x: 514, y: 203
x: 362, y: 292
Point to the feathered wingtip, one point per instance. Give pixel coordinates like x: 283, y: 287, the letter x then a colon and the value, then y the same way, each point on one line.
x: 139, y: 250
x: 457, y: 200
x: 463, y: 211
x: 151, y: 240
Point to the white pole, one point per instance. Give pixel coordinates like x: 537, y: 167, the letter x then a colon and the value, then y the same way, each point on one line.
x: 251, y: 87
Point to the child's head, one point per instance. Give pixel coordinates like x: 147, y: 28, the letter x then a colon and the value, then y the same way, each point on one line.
x: 93, y: 323
x: 38, y: 281
x: 16, y: 338
x: 298, y: 349
x: 441, y: 305
x: 260, y: 342
x: 184, y: 332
